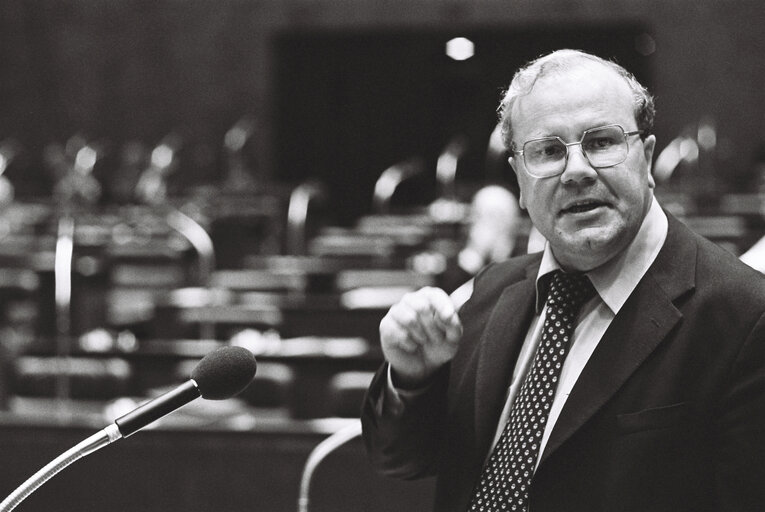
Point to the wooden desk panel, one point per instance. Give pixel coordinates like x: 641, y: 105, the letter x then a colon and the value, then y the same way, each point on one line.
x: 199, y: 470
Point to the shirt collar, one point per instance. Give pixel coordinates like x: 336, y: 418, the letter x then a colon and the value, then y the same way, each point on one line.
x: 615, y: 280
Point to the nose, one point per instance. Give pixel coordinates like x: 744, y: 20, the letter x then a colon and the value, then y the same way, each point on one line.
x: 577, y: 168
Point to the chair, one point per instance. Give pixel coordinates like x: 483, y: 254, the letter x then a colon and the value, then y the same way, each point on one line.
x: 337, y: 477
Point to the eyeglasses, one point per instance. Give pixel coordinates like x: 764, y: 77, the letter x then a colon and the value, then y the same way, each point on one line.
x: 604, y: 146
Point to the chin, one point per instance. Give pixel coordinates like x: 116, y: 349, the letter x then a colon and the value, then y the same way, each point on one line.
x: 590, y: 248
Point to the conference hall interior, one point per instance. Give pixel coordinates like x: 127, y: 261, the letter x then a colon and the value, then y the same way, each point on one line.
x: 178, y: 177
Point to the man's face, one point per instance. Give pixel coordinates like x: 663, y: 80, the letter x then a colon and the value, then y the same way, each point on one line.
x: 588, y: 215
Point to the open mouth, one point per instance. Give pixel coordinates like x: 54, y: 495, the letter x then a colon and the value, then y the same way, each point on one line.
x: 582, y: 207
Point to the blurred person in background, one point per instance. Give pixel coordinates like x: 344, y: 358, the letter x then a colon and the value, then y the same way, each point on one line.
x: 493, y: 235
x: 636, y: 384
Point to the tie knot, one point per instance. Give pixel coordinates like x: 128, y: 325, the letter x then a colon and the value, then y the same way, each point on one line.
x: 570, y: 290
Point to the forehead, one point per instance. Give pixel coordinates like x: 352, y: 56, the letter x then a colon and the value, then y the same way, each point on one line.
x: 569, y: 101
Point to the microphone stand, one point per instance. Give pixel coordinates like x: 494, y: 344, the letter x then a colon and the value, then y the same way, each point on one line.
x: 446, y: 167
x: 62, y: 271
x: 77, y: 185
x: 9, y: 150
x: 222, y: 374
x: 390, y: 179
x: 297, y: 215
x: 199, y: 239
x: 152, y: 190
x: 317, y: 455
x: 234, y: 142
x: 98, y: 440
x: 79, y: 173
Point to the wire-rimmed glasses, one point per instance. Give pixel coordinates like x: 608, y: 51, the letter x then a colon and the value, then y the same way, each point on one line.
x: 603, y: 146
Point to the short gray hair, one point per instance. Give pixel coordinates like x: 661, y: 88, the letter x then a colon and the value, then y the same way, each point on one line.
x: 561, y: 60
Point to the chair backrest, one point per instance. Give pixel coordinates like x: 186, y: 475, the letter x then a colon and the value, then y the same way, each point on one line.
x: 338, y: 477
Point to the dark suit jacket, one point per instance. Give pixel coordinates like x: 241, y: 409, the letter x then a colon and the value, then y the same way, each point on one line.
x: 667, y: 415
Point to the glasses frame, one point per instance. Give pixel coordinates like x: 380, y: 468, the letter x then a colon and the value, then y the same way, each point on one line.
x: 578, y: 143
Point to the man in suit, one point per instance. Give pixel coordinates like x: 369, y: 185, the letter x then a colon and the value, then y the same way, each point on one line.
x: 658, y: 397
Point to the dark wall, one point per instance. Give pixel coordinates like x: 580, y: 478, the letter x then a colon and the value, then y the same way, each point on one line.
x: 134, y: 70
x: 356, y: 102
x: 127, y: 71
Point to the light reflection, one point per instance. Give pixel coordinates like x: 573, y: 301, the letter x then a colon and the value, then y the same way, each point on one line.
x: 460, y: 48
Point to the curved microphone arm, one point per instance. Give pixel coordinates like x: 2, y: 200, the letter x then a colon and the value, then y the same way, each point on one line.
x: 62, y: 272
x: 221, y: 374
x: 199, y: 239
x: 389, y: 181
x: 9, y: 150
x: 152, y: 190
x: 297, y: 215
x: 318, y: 454
x: 104, y: 437
x: 234, y: 142
x: 446, y: 166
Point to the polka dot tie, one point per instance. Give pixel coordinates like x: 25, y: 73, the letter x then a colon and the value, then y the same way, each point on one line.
x: 506, y: 478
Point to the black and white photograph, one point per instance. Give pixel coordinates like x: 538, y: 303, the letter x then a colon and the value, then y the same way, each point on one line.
x: 382, y: 255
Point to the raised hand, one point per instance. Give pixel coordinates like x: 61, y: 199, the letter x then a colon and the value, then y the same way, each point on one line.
x: 419, y: 334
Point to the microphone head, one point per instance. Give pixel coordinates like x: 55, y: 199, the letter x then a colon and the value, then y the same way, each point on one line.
x: 224, y: 372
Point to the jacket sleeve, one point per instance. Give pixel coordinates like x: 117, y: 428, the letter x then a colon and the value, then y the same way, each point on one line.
x: 402, y: 440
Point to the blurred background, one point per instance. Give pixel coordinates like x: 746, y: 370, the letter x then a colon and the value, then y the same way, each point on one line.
x: 180, y: 175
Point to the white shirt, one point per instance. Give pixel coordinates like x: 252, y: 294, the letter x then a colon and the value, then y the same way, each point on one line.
x: 614, y: 282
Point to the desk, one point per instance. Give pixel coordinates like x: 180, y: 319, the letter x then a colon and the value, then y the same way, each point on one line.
x: 156, y: 364
x: 234, y: 461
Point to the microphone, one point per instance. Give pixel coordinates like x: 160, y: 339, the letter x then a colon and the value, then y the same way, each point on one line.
x: 221, y: 374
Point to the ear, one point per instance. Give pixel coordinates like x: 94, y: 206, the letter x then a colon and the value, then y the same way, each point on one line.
x: 514, y: 166
x: 649, y: 144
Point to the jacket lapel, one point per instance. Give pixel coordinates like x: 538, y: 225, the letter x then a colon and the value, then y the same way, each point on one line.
x: 499, y: 347
x: 641, y: 325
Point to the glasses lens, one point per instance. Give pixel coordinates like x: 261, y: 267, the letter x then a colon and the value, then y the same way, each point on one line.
x: 544, y: 157
x: 605, y: 146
